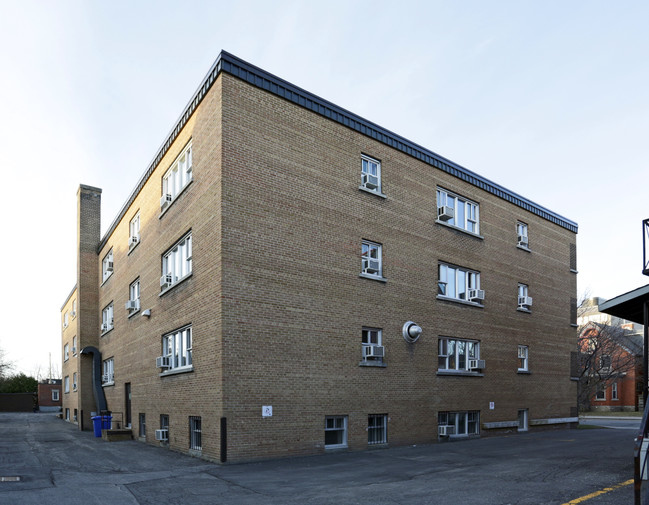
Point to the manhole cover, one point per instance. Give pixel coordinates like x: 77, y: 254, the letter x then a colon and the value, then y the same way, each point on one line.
x: 10, y: 479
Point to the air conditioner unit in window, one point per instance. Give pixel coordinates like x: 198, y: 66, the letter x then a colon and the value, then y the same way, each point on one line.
x: 445, y: 213
x: 74, y: 350
x: 162, y: 362
x: 132, y: 241
x: 106, y: 378
x: 521, y: 352
x: 370, y: 181
x: 522, y: 241
x: 443, y: 430
x: 165, y: 281
x: 165, y: 200
x: 133, y: 305
x: 162, y: 435
x: 374, y: 351
x: 476, y: 294
x: 371, y: 266
x: 476, y: 364
x: 73, y: 314
x: 109, y: 266
x: 104, y: 327
x: 525, y: 302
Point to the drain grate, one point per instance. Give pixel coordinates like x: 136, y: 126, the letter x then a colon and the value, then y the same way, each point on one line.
x: 10, y: 479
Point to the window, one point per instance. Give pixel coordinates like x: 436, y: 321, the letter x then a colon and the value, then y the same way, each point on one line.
x: 459, y: 283
x: 458, y: 355
x: 335, y: 432
x: 523, y: 352
x: 459, y: 423
x: 55, y: 395
x: 134, y: 232
x: 164, y: 425
x: 604, y: 363
x: 67, y: 414
x: 177, y: 177
x: 195, y: 433
x: 133, y: 304
x: 457, y: 211
x: 370, y: 175
x: 377, y: 432
x: 107, y: 318
x: 107, y: 266
x: 66, y: 352
x: 74, y: 308
x: 522, y: 420
x: 66, y: 320
x: 74, y: 381
x: 75, y: 415
x: 524, y: 300
x: 66, y: 384
x: 74, y: 346
x: 177, y: 348
x: 614, y: 391
x: 601, y: 393
x: 108, y: 376
x: 177, y: 262
x: 371, y: 344
x: 142, y: 426
x: 371, y: 260
x: 521, y: 235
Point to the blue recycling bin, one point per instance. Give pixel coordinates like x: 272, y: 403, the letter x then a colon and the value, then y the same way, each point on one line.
x: 106, y: 422
x: 96, y: 424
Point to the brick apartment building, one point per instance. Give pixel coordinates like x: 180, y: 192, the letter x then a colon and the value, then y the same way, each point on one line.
x: 288, y: 278
x: 49, y: 395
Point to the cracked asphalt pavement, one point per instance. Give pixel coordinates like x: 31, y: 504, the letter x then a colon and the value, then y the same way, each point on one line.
x: 59, y: 464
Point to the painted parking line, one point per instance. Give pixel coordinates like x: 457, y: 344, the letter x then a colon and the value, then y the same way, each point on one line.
x: 599, y: 493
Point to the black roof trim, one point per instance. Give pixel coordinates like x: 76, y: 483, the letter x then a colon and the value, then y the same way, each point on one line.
x: 259, y: 78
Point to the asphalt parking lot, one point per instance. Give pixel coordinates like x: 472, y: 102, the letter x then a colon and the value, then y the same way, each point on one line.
x: 58, y: 464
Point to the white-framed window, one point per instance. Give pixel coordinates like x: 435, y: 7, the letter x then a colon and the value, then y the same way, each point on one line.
x: 604, y: 363
x: 177, y: 177
x: 74, y: 308
x: 66, y: 384
x: 74, y: 381
x: 524, y: 298
x: 108, y: 368
x: 614, y: 391
x: 107, y: 266
x: 523, y: 358
x: 107, y: 318
x: 66, y: 352
x: 67, y: 414
x: 164, y: 425
x: 371, y: 346
x: 66, y: 319
x: 601, y: 393
x: 370, y: 174
x: 177, y: 262
x: 523, y: 419
x: 459, y: 283
x: 377, y: 429
x: 335, y: 432
x: 195, y: 443
x: 133, y: 304
x: 142, y: 426
x: 177, y: 347
x: 522, y: 239
x: 74, y: 346
x: 462, y: 423
x: 457, y: 211
x: 55, y: 395
x: 371, y: 260
x: 458, y: 355
x: 134, y: 231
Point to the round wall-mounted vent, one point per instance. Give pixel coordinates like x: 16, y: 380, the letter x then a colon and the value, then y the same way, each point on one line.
x: 411, y: 331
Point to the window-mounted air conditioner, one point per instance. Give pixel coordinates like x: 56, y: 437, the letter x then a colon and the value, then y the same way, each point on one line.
x: 445, y: 213
x: 165, y: 281
x: 109, y: 266
x: 104, y: 327
x: 74, y: 350
x: 374, y: 351
x: 522, y: 241
x: 132, y: 241
x: 476, y: 295
x: 443, y: 430
x: 162, y: 362
x: 525, y: 302
x: 107, y: 378
x: 370, y: 181
x: 73, y: 313
x: 162, y: 435
x: 65, y: 325
x: 522, y: 353
x: 133, y: 305
x: 371, y: 266
x: 476, y: 364
x: 165, y: 200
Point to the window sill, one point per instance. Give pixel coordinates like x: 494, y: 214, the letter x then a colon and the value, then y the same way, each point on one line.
x: 106, y: 279
x: 458, y: 300
x: 373, y: 277
x: 460, y: 373
x: 178, y: 370
x: 107, y: 331
x: 164, y: 211
x: 371, y: 192
x: 336, y: 447
x: 457, y: 228
x: 132, y: 248
x: 526, y: 311
x: 107, y: 384
x: 134, y: 312
x: 523, y: 372
x: 573, y: 271
x: 574, y: 325
x: 523, y: 248
x: 372, y: 363
x: 179, y: 281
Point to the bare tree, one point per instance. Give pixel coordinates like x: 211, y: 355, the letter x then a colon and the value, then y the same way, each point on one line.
x: 6, y: 366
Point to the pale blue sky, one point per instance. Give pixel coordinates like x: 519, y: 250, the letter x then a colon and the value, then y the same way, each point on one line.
x: 549, y: 99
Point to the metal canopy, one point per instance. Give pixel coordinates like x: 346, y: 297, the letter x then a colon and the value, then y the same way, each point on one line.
x: 628, y: 306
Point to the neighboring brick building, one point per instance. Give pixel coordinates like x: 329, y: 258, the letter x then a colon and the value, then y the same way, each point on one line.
x: 49, y: 395
x: 261, y: 292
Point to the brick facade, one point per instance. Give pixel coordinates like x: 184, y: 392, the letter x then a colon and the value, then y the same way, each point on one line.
x: 276, y: 303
